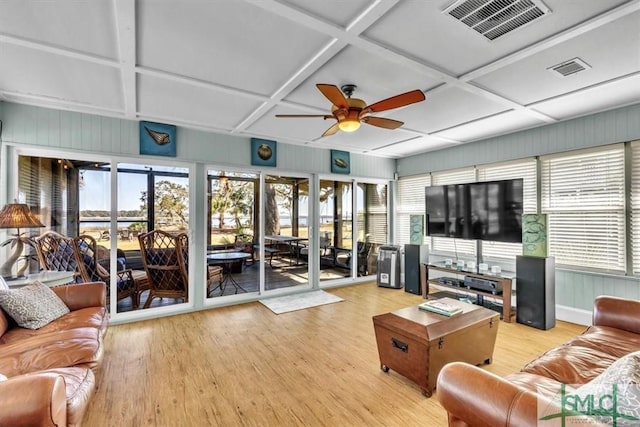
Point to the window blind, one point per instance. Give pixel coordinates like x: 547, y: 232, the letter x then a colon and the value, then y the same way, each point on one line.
x: 42, y: 184
x: 375, y: 214
x: 525, y: 169
x: 583, y: 194
x: 410, y: 202
x: 634, y: 206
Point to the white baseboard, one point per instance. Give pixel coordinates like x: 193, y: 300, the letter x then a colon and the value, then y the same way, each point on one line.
x: 573, y: 315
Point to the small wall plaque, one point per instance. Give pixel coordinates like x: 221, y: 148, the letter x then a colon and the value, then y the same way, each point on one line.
x: 340, y: 162
x: 157, y: 139
x: 263, y: 152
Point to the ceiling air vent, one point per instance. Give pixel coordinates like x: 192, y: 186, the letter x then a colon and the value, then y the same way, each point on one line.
x: 569, y: 67
x: 495, y: 18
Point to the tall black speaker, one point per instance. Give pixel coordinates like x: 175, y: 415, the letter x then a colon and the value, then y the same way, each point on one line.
x: 536, y: 291
x: 414, y: 255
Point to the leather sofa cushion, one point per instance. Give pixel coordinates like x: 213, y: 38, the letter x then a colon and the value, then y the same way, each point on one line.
x: 90, y: 317
x: 80, y: 347
x: 537, y: 384
x: 586, y: 356
x: 616, y: 342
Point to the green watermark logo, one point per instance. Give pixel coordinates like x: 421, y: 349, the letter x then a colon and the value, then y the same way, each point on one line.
x: 601, y: 409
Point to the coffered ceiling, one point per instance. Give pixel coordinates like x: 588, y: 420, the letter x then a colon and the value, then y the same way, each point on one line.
x: 228, y: 66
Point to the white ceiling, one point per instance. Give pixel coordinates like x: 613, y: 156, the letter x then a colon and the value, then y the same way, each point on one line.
x: 228, y: 66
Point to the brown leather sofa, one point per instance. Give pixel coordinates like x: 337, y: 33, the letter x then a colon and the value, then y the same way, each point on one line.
x: 474, y: 397
x: 51, y: 371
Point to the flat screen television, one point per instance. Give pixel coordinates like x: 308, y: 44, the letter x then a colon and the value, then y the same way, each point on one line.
x: 489, y: 210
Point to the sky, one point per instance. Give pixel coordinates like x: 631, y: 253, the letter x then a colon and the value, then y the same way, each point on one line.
x: 95, y: 192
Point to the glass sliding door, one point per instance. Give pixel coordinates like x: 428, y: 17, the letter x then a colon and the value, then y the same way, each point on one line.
x: 336, y: 229
x: 151, y: 197
x: 286, y: 232
x: 232, y: 231
x: 372, y: 219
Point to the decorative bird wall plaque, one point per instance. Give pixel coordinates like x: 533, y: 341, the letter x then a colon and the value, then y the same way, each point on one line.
x: 158, y: 139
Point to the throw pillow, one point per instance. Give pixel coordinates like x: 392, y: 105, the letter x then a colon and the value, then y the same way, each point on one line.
x: 32, y: 306
x: 624, y: 374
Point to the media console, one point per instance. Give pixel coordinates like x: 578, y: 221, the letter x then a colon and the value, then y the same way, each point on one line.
x: 498, y: 287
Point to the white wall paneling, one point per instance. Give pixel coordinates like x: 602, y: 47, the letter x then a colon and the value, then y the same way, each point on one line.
x: 603, y: 128
x: 107, y: 135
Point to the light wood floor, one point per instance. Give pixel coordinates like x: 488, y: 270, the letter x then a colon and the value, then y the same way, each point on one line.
x: 245, y: 366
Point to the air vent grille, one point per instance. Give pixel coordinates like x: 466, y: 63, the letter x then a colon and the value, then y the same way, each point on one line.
x: 569, y: 67
x: 495, y: 18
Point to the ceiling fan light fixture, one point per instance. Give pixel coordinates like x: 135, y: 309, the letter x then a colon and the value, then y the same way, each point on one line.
x: 350, y: 112
x: 349, y: 125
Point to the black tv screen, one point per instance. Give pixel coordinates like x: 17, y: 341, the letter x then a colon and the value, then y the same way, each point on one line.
x: 489, y: 210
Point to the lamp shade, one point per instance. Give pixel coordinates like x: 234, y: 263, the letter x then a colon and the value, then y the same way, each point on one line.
x: 18, y: 215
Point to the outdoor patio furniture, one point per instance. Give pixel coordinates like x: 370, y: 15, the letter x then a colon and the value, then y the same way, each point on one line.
x: 80, y: 255
x: 56, y: 253
x: 94, y: 268
x: 166, y: 260
x: 244, y: 243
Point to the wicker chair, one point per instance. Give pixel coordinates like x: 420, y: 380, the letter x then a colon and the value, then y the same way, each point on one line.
x: 56, y: 253
x: 166, y: 260
x: 80, y: 255
x: 93, y: 268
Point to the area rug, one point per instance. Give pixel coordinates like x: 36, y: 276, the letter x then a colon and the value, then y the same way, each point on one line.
x: 301, y: 301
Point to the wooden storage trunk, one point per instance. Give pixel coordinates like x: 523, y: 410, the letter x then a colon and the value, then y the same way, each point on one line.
x: 417, y: 343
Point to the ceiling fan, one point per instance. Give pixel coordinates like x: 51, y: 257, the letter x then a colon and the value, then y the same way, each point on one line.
x: 350, y: 112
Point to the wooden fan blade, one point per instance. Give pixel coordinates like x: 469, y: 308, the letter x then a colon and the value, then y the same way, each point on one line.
x: 395, y: 101
x: 297, y: 116
x: 333, y: 129
x: 382, y: 122
x: 334, y: 95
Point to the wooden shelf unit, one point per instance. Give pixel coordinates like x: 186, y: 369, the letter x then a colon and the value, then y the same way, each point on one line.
x: 506, y: 282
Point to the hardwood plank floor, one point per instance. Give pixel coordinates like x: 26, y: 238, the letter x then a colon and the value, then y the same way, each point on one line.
x: 245, y: 366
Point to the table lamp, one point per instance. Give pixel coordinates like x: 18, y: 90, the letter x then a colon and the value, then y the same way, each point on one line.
x: 16, y: 215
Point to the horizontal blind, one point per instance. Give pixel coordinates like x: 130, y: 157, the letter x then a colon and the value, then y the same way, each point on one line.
x: 635, y: 205
x: 376, y: 213
x: 410, y: 198
x: 583, y: 194
x: 458, y: 176
x: 43, y: 184
x: 525, y: 169
x: 456, y: 247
